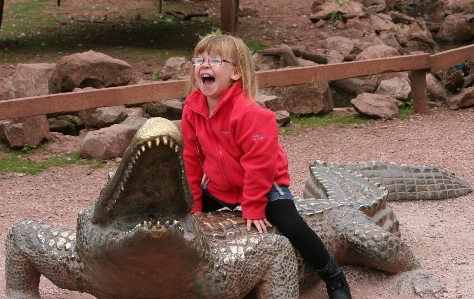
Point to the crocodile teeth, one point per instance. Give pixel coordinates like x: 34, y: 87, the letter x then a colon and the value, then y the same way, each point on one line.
x: 158, y: 225
x: 122, y: 186
x: 144, y: 223
x: 143, y: 148
x: 138, y: 154
x: 171, y: 143
x: 165, y: 140
x: 150, y: 225
x: 149, y: 143
x: 176, y: 222
x: 157, y: 141
x: 176, y: 148
x: 167, y: 224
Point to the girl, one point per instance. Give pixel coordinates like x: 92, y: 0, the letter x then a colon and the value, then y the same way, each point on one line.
x: 233, y: 157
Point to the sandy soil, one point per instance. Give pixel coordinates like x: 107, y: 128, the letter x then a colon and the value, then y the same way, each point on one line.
x: 438, y: 232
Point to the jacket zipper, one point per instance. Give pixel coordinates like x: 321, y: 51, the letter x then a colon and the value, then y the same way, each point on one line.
x: 221, y: 156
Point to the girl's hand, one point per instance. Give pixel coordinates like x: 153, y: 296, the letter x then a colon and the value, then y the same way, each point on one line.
x: 260, y: 224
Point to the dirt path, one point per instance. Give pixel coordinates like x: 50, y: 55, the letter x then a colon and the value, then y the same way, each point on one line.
x: 438, y: 232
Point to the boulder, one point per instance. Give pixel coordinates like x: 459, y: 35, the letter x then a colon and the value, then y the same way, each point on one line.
x: 455, y: 29
x: 176, y: 68
x: 376, y: 105
x: 31, y: 130
x: 89, y: 69
x: 458, y: 6
x: 465, y: 98
x: 103, y: 117
x: 107, y: 143
x: 435, y: 88
x: 301, y: 99
x: 377, y: 6
x: 338, y: 43
x: 374, y: 52
x: 137, y: 111
x: 135, y: 121
x: 397, y: 87
x: 170, y: 109
x: 30, y: 80
x: 324, y: 11
x: 62, y: 126
x: 283, y: 118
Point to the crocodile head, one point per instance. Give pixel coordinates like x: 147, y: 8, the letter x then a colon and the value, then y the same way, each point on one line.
x: 136, y: 233
x: 149, y: 184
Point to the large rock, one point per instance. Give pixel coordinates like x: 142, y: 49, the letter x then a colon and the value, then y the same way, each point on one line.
x: 465, y: 98
x: 30, y: 80
x: 89, y: 69
x: 303, y: 98
x: 379, y: 51
x: 455, y: 29
x: 458, y: 6
x: 31, y: 130
x: 435, y: 88
x: 176, y: 68
x: 103, y: 117
x: 107, y: 143
x: 170, y: 109
x: 397, y: 87
x: 339, y: 43
x: 376, y: 105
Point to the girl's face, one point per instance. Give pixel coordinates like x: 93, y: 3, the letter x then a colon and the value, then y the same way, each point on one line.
x: 214, y: 80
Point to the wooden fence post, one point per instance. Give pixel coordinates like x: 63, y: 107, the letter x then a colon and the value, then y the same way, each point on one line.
x: 418, y: 91
x: 229, y: 15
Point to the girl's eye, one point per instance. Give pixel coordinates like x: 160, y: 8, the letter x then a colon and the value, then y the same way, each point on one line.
x: 215, y: 61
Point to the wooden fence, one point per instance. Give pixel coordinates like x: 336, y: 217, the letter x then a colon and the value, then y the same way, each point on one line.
x: 418, y: 65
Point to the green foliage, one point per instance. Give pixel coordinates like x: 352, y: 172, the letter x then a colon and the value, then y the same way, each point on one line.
x: 336, y: 16
x: 254, y: 47
x: 307, y: 121
x: 156, y: 75
x: 20, y: 164
x: 213, y: 32
x: 341, y: 3
x: 406, y: 109
x: 27, y: 147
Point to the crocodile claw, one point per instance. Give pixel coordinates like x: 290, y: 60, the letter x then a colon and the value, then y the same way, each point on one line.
x: 421, y: 282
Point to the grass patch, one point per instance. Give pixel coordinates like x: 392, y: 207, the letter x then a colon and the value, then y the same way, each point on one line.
x: 20, y: 164
x: 406, y: 110
x: 307, y: 121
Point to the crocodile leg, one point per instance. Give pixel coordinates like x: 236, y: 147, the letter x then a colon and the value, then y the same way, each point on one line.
x: 22, y: 279
x: 33, y: 249
x: 371, y: 245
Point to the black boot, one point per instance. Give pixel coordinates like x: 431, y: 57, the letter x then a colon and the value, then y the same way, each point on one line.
x: 335, y: 280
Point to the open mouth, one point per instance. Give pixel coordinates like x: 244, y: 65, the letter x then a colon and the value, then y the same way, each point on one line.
x: 149, y: 187
x: 207, y: 80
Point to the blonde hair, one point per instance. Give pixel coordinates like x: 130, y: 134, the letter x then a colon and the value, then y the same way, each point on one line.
x: 233, y: 49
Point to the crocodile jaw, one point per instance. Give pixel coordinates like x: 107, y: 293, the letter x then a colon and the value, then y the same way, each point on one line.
x: 150, y: 184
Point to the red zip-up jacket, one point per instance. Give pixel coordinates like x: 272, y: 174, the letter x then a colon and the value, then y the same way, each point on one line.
x: 236, y: 148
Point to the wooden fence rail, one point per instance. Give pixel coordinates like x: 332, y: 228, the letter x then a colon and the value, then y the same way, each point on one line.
x: 418, y: 65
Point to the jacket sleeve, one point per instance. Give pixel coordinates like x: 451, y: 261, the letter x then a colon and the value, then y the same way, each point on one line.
x: 257, y: 134
x: 192, y: 158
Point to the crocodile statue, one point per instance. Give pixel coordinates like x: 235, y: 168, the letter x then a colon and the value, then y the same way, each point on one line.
x: 139, y: 240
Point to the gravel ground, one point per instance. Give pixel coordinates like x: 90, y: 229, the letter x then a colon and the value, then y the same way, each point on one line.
x: 438, y: 232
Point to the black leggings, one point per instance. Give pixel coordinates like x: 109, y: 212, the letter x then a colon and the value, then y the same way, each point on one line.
x: 283, y: 214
